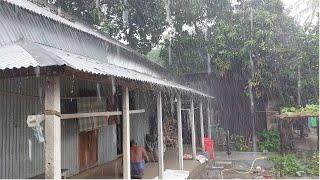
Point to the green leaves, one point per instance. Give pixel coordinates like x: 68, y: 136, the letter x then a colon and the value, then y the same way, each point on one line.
x: 287, y: 165
x: 311, y: 109
x: 269, y: 140
x: 277, y: 44
x: 313, y: 164
x: 291, y: 165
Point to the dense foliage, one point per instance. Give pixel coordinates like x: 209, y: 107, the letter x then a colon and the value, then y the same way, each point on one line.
x: 241, y: 144
x: 311, y: 109
x: 290, y: 165
x: 269, y: 140
x: 139, y: 23
x: 284, y: 54
x: 313, y: 164
x: 287, y: 165
x: 277, y: 44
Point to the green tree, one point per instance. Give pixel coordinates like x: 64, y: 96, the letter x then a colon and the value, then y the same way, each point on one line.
x: 190, y: 21
x: 145, y: 20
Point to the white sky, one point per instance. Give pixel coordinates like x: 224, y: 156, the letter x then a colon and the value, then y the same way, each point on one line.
x: 295, y: 7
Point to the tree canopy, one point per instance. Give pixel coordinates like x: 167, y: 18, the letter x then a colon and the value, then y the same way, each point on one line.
x: 284, y: 53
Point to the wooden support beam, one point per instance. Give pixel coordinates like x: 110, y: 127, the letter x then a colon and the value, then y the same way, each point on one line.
x: 160, y: 137
x: 209, y: 120
x: 180, y: 141
x: 99, y: 114
x: 201, y: 126
x: 52, y: 129
x: 126, y: 133
x: 193, y: 132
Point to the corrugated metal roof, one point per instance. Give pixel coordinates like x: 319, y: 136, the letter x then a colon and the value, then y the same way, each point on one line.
x: 44, y: 12
x: 26, y: 54
x: 77, y: 25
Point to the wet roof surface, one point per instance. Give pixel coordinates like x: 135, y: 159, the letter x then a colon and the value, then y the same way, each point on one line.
x: 30, y: 51
x: 28, y: 54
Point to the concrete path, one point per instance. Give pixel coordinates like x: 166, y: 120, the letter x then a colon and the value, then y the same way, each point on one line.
x: 170, y: 162
x: 107, y: 171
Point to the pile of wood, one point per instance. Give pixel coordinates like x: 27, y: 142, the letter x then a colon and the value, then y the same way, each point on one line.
x: 170, y: 132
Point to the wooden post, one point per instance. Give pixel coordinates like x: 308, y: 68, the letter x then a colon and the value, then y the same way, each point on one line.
x: 209, y: 120
x: 126, y: 133
x: 180, y: 141
x: 52, y: 129
x: 193, y: 132
x: 201, y: 126
x: 160, y: 137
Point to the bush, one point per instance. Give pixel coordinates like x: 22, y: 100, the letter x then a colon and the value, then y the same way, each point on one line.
x: 270, y: 141
x: 287, y: 165
x: 313, y: 164
x: 241, y: 144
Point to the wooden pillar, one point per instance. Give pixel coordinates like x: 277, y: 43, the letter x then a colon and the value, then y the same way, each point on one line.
x: 209, y: 120
x: 52, y: 129
x: 193, y: 131
x: 160, y: 137
x: 126, y: 133
x: 201, y: 126
x: 180, y: 141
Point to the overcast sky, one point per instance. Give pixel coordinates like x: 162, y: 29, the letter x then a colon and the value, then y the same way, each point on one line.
x: 295, y: 9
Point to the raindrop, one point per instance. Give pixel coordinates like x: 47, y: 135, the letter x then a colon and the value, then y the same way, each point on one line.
x: 37, y: 71
x: 98, y: 91
x: 113, y: 86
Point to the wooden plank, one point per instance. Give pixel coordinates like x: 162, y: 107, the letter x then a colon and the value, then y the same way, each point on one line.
x: 160, y: 137
x: 126, y: 133
x: 193, y: 132
x: 180, y: 141
x: 52, y: 129
x: 99, y: 114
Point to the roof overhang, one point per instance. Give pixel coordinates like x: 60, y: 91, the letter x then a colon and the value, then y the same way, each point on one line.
x: 26, y: 58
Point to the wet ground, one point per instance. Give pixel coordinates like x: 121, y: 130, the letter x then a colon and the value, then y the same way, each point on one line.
x: 239, y: 161
x: 108, y: 170
x: 307, y: 145
x: 237, y: 164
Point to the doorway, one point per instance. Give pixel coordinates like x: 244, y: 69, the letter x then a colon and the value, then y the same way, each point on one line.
x: 88, y: 145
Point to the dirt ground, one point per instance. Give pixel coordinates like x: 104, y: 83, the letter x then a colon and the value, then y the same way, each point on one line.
x: 240, y: 161
x: 305, y: 146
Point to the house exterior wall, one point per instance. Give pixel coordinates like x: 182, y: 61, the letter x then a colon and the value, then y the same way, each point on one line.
x: 107, y: 144
x: 21, y: 156
x: 140, y: 123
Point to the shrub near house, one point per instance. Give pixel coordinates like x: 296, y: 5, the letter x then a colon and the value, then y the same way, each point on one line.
x: 269, y: 140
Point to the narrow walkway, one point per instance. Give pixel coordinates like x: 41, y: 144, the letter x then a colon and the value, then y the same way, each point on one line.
x: 107, y: 171
x: 170, y: 162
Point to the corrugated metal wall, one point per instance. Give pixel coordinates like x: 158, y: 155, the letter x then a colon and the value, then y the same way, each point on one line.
x: 139, y: 123
x: 69, y: 146
x: 21, y: 155
x: 107, y: 144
